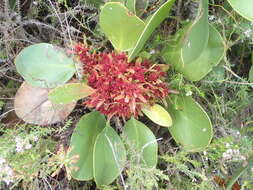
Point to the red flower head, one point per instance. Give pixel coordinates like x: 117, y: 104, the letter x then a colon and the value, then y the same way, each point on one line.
x: 122, y: 87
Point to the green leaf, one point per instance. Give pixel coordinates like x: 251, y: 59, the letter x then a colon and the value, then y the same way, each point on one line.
x: 152, y: 23
x: 142, y: 140
x: 196, y: 36
x: 109, y: 157
x: 209, y: 58
x: 44, y: 65
x: 191, y: 46
x: 189, y: 42
x: 69, y: 92
x: 243, y: 8
x: 191, y: 127
x: 158, y: 115
x: 121, y: 26
x: 82, y: 145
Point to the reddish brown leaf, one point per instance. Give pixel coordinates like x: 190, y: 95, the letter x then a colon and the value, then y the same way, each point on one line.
x: 222, y: 183
x: 32, y: 105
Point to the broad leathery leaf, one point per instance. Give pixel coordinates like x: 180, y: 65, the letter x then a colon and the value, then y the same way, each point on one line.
x: 69, y: 92
x: 251, y: 69
x: 82, y: 145
x: 209, y: 58
x: 243, y: 8
x: 44, y: 65
x: 32, y: 105
x: 141, y: 139
x: 151, y: 25
x: 196, y: 37
x: 190, y: 41
x: 191, y: 127
x: 109, y: 157
x: 158, y: 115
x: 120, y: 25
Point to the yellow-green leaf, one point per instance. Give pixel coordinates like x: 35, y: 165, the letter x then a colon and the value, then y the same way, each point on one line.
x: 158, y: 115
x: 69, y: 92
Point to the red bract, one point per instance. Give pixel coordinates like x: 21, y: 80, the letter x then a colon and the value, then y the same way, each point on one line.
x: 122, y: 87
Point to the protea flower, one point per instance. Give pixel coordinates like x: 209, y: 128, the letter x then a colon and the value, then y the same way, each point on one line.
x: 122, y: 87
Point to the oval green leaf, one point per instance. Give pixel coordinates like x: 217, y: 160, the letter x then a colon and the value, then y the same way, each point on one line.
x: 69, y: 92
x: 109, y: 157
x: 209, y: 58
x: 191, y: 127
x: 120, y: 25
x: 158, y: 115
x: 243, y: 8
x: 151, y: 25
x: 44, y: 65
x: 82, y: 145
x: 141, y: 139
x: 189, y: 43
x: 195, y: 38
